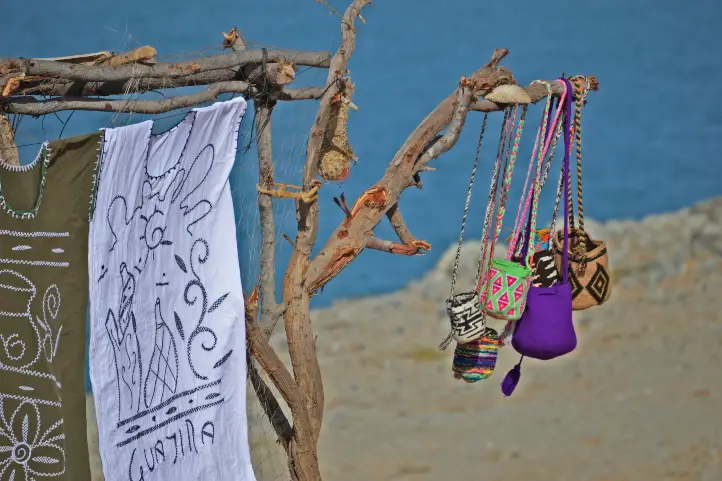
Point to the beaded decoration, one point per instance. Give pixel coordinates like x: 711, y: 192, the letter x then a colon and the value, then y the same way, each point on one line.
x: 43, y: 157
x: 476, y: 360
x: 96, y: 177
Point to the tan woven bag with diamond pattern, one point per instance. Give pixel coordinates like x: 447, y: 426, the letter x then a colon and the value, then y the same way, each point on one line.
x: 588, y: 258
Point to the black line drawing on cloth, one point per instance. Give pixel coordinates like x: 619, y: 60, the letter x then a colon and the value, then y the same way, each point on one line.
x: 122, y: 331
x: 183, y: 442
x: 163, y: 369
x: 157, y: 225
x: 160, y: 425
x: 154, y: 207
x: 177, y: 399
x: 200, y: 258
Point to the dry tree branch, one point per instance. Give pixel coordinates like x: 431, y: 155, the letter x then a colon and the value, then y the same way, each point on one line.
x: 353, y: 235
x: 61, y: 88
x: 271, y: 407
x: 448, y: 140
x: 398, y: 224
x: 271, y: 312
x: 32, y: 106
x: 393, y: 247
x: 229, y: 60
x: 299, y: 332
x: 269, y: 361
x: 423, y: 145
x: 270, y: 404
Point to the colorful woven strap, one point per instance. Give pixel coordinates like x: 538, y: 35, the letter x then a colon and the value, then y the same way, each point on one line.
x: 518, y: 235
x: 508, y: 172
x: 536, y: 185
x: 518, y: 248
x: 537, y: 180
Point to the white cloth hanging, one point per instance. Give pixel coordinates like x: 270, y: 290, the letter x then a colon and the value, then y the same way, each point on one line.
x: 167, y: 350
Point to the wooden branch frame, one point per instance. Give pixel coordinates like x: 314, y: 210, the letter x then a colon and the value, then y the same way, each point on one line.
x: 77, y: 83
x: 32, y: 106
x: 171, y: 70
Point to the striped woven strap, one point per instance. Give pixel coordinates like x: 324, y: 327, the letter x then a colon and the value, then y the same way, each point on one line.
x: 508, y: 172
x: 581, y: 87
x: 541, y: 148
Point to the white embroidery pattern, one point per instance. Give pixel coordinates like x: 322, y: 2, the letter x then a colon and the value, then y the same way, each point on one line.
x: 26, y: 451
x: 15, y: 233
x: 35, y: 263
x: 31, y: 439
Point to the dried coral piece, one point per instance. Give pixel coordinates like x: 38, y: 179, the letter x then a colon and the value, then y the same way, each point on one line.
x: 284, y: 73
x: 336, y: 152
x: 230, y: 38
x: 145, y: 54
x: 508, y: 94
x: 12, y: 85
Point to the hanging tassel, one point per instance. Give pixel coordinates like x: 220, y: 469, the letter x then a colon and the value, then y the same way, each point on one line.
x: 511, y: 380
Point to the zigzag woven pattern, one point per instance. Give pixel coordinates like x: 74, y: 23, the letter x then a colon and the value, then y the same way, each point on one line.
x: 506, y: 295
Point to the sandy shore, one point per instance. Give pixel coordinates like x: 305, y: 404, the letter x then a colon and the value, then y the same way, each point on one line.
x: 639, y: 400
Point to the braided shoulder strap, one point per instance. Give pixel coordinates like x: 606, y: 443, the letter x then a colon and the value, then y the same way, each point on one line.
x: 507, y: 125
x: 541, y: 146
x: 508, y: 172
x: 466, y: 207
x: 581, y: 87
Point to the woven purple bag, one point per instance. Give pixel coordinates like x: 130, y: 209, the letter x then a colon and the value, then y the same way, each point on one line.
x: 546, y: 330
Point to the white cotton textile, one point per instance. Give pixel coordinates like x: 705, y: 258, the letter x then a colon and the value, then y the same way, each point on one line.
x: 167, y: 348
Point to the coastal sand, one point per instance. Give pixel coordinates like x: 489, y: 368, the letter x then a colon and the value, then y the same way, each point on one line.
x: 639, y: 400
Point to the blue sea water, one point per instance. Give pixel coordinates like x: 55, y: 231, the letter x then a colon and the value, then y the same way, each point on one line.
x: 653, y: 132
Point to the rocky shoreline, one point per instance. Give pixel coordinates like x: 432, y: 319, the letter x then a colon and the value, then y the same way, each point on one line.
x: 638, y: 400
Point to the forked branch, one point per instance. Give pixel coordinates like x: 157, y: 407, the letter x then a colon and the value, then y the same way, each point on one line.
x: 356, y: 231
x: 399, y: 226
x: 299, y: 331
